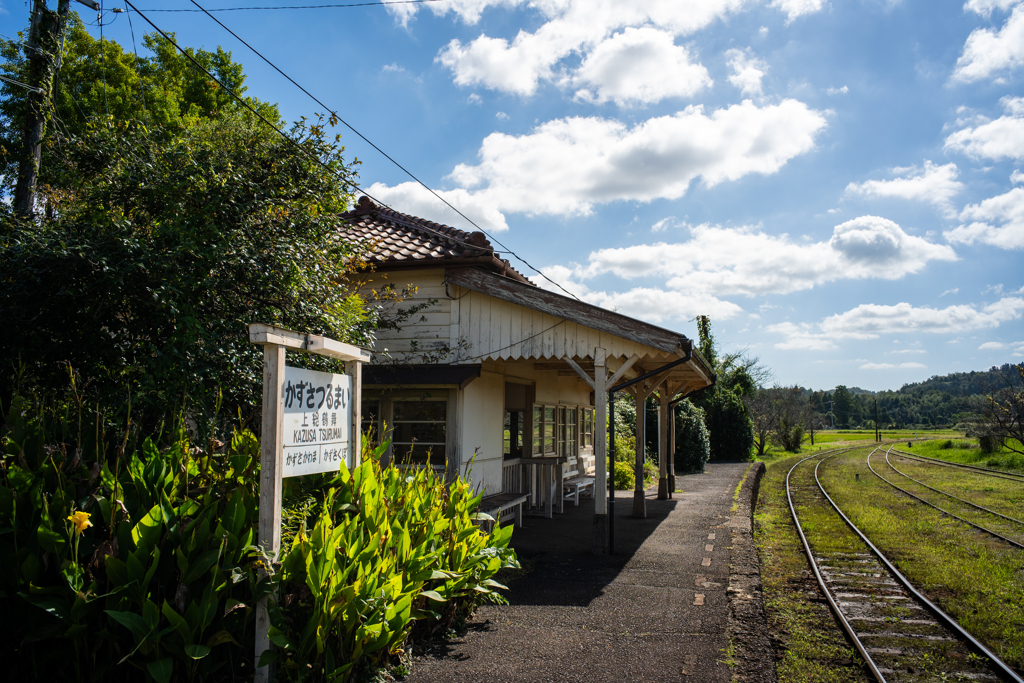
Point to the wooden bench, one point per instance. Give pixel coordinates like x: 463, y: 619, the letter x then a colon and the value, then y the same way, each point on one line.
x: 499, y: 503
x: 571, y: 488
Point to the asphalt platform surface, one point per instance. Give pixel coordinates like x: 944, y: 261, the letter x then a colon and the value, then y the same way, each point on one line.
x: 657, y: 610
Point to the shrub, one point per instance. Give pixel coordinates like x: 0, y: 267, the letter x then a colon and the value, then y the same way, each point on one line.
x: 135, y: 556
x: 990, y: 443
x: 388, y: 547
x: 693, y: 445
x: 732, y: 435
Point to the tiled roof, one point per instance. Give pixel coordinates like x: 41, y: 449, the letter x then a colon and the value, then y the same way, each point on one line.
x: 399, y: 239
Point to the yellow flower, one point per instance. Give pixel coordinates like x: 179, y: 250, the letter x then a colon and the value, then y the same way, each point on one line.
x: 81, y: 521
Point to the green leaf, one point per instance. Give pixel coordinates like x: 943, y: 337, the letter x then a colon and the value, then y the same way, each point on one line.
x: 221, y: 637
x: 201, y: 566
x: 197, y: 651
x: 51, y: 541
x: 161, y: 669
x: 132, y: 621
x: 433, y: 595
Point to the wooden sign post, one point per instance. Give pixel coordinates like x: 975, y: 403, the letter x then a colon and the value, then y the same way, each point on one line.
x: 316, y: 440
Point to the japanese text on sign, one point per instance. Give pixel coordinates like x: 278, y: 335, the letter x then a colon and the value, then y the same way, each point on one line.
x: 317, y: 421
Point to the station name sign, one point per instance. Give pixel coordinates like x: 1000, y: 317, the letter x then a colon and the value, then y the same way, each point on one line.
x: 317, y: 422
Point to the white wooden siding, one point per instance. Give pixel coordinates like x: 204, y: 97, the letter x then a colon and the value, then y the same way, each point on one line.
x: 493, y: 329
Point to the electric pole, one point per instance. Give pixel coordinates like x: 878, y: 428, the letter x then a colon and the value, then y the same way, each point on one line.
x: 42, y: 52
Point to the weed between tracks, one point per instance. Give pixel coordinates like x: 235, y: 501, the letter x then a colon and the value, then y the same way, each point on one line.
x: 809, y: 644
x: 976, y: 579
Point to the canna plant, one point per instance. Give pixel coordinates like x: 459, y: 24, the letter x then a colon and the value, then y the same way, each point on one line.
x: 136, y: 560
x: 388, y: 547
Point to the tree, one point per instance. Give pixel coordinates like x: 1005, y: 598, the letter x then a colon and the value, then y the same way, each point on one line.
x: 813, y: 419
x: 725, y: 415
x: 843, y: 408
x: 762, y: 407
x: 788, y: 432
x: 1003, y: 416
x: 150, y: 270
x: 97, y: 80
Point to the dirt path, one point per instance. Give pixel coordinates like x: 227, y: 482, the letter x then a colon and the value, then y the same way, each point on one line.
x: 656, y: 611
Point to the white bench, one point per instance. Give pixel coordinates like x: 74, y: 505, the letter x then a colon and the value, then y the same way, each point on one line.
x: 571, y: 488
x: 499, y: 503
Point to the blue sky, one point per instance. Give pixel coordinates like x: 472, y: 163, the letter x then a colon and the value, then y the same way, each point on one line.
x: 838, y: 184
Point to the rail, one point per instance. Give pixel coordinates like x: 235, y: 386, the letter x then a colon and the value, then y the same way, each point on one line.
x: 944, y: 618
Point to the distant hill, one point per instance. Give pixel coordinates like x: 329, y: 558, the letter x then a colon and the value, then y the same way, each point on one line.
x: 940, y: 401
x: 966, y: 383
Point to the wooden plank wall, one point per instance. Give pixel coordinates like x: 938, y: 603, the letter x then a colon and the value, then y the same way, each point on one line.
x: 500, y: 330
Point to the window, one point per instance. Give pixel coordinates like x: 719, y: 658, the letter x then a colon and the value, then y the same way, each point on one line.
x: 586, y: 427
x: 544, y: 430
x: 419, y: 431
x: 513, y: 434
x: 571, y: 432
x: 558, y: 430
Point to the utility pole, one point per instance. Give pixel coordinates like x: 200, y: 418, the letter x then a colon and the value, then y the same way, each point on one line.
x: 877, y: 436
x: 42, y: 51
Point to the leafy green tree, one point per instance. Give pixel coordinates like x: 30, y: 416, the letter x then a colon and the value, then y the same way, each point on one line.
x: 165, y: 91
x: 151, y: 269
x: 843, y: 405
x: 693, y: 443
x: 725, y: 415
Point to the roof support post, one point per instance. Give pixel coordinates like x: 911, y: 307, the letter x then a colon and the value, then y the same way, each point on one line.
x: 671, y: 449
x: 600, y: 546
x: 664, y: 454
x: 640, y: 393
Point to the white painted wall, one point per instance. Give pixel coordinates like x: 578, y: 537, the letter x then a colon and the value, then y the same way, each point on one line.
x: 480, y: 426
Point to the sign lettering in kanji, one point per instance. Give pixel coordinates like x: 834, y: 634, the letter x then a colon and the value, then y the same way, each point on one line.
x: 317, y: 421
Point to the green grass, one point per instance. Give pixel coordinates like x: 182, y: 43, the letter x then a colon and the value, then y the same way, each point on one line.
x: 967, y: 452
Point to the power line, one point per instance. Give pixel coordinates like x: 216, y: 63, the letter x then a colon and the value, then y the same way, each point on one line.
x: 356, y: 4
x: 23, y: 85
x: 382, y: 152
x: 135, y: 49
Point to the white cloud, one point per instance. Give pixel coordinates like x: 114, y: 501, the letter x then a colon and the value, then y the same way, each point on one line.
x: 763, y: 31
x: 502, y: 116
x: 392, y: 68
x: 955, y: 290
x: 565, y: 166
x: 988, y: 52
x: 934, y: 184
x: 747, y: 72
x: 991, y: 346
x: 412, y: 199
x: 646, y: 303
x: 748, y: 262
x: 906, y: 351
x: 997, y: 221
x: 985, y: 7
x: 891, y: 366
x: 837, y: 91
x: 474, y: 99
x: 639, y: 66
x: 997, y: 139
x: 796, y: 8
x: 870, y: 321
x: 664, y: 224
x: 570, y: 27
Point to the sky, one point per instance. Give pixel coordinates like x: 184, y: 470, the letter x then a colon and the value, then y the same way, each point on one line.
x: 839, y: 184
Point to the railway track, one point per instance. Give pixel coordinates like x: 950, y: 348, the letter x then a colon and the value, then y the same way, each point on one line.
x: 1000, y: 474
x: 1011, y: 529
x: 899, y: 633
